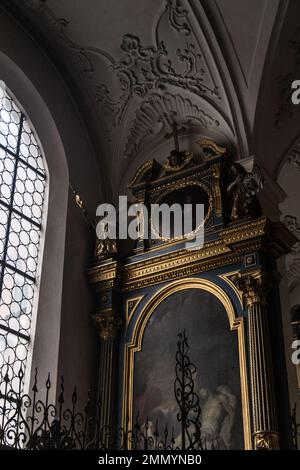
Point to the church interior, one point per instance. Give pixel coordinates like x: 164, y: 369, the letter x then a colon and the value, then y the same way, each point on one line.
x: 164, y: 102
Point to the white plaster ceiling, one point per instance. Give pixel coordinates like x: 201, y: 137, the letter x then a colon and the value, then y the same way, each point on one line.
x: 244, y: 36
x: 140, y: 64
x: 277, y: 124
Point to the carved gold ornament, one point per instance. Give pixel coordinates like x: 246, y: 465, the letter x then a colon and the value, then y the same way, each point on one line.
x: 266, y: 440
x: 108, y: 322
x: 173, y: 166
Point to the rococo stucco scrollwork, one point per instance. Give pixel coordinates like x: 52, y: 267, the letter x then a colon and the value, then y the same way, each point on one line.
x: 140, y: 86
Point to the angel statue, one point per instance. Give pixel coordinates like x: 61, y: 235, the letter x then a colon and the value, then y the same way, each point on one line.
x: 243, y: 189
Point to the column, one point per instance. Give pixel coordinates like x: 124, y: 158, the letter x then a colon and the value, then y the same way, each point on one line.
x: 108, y: 322
x: 105, y: 277
x: 265, y: 429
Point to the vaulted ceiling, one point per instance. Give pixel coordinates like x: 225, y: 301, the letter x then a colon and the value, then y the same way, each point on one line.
x: 134, y: 66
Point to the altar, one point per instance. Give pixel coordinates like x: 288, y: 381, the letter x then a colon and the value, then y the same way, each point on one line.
x: 221, y: 299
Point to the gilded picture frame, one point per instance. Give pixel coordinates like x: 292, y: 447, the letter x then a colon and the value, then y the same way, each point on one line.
x: 134, y: 345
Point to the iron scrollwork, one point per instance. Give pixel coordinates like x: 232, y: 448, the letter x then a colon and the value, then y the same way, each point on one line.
x: 32, y: 422
x: 187, y: 400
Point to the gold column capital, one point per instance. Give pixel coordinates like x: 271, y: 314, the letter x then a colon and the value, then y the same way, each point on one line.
x: 252, y: 287
x: 266, y: 440
x: 108, y: 322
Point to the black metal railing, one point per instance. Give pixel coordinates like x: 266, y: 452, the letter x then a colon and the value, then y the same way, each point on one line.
x: 32, y: 421
x: 187, y: 400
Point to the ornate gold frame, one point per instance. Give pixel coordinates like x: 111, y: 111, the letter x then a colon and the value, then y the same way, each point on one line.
x: 227, y: 277
x: 236, y: 324
x: 230, y: 248
x: 173, y: 187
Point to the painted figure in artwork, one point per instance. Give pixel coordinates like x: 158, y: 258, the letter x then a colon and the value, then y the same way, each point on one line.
x: 217, y: 416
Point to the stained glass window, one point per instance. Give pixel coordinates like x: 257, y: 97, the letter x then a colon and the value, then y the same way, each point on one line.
x: 22, y: 188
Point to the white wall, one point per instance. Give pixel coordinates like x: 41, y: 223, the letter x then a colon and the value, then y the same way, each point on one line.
x: 65, y: 341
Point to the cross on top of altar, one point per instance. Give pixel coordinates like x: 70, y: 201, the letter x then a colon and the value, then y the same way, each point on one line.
x: 175, y: 134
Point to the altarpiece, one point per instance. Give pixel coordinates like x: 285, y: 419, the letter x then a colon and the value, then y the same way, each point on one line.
x: 224, y: 296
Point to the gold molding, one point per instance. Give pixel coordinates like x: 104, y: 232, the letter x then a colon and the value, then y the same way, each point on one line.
x: 174, y: 187
x: 188, y: 158
x: 103, y: 272
x: 142, y: 170
x: 212, y: 145
x: 235, y: 234
x: 186, y: 262
x: 186, y: 265
x: 129, y: 312
x: 233, y: 243
x: 164, y: 184
x: 244, y: 231
x: 227, y: 277
x: 236, y: 324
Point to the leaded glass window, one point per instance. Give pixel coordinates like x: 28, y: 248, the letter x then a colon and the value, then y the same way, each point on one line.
x: 22, y: 189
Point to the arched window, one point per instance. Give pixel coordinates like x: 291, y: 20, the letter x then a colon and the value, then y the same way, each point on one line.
x: 22, y: 189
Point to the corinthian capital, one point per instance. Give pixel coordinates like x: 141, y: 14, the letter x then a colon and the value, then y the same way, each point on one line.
x: 252, y: 287
x: 108, y: 322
